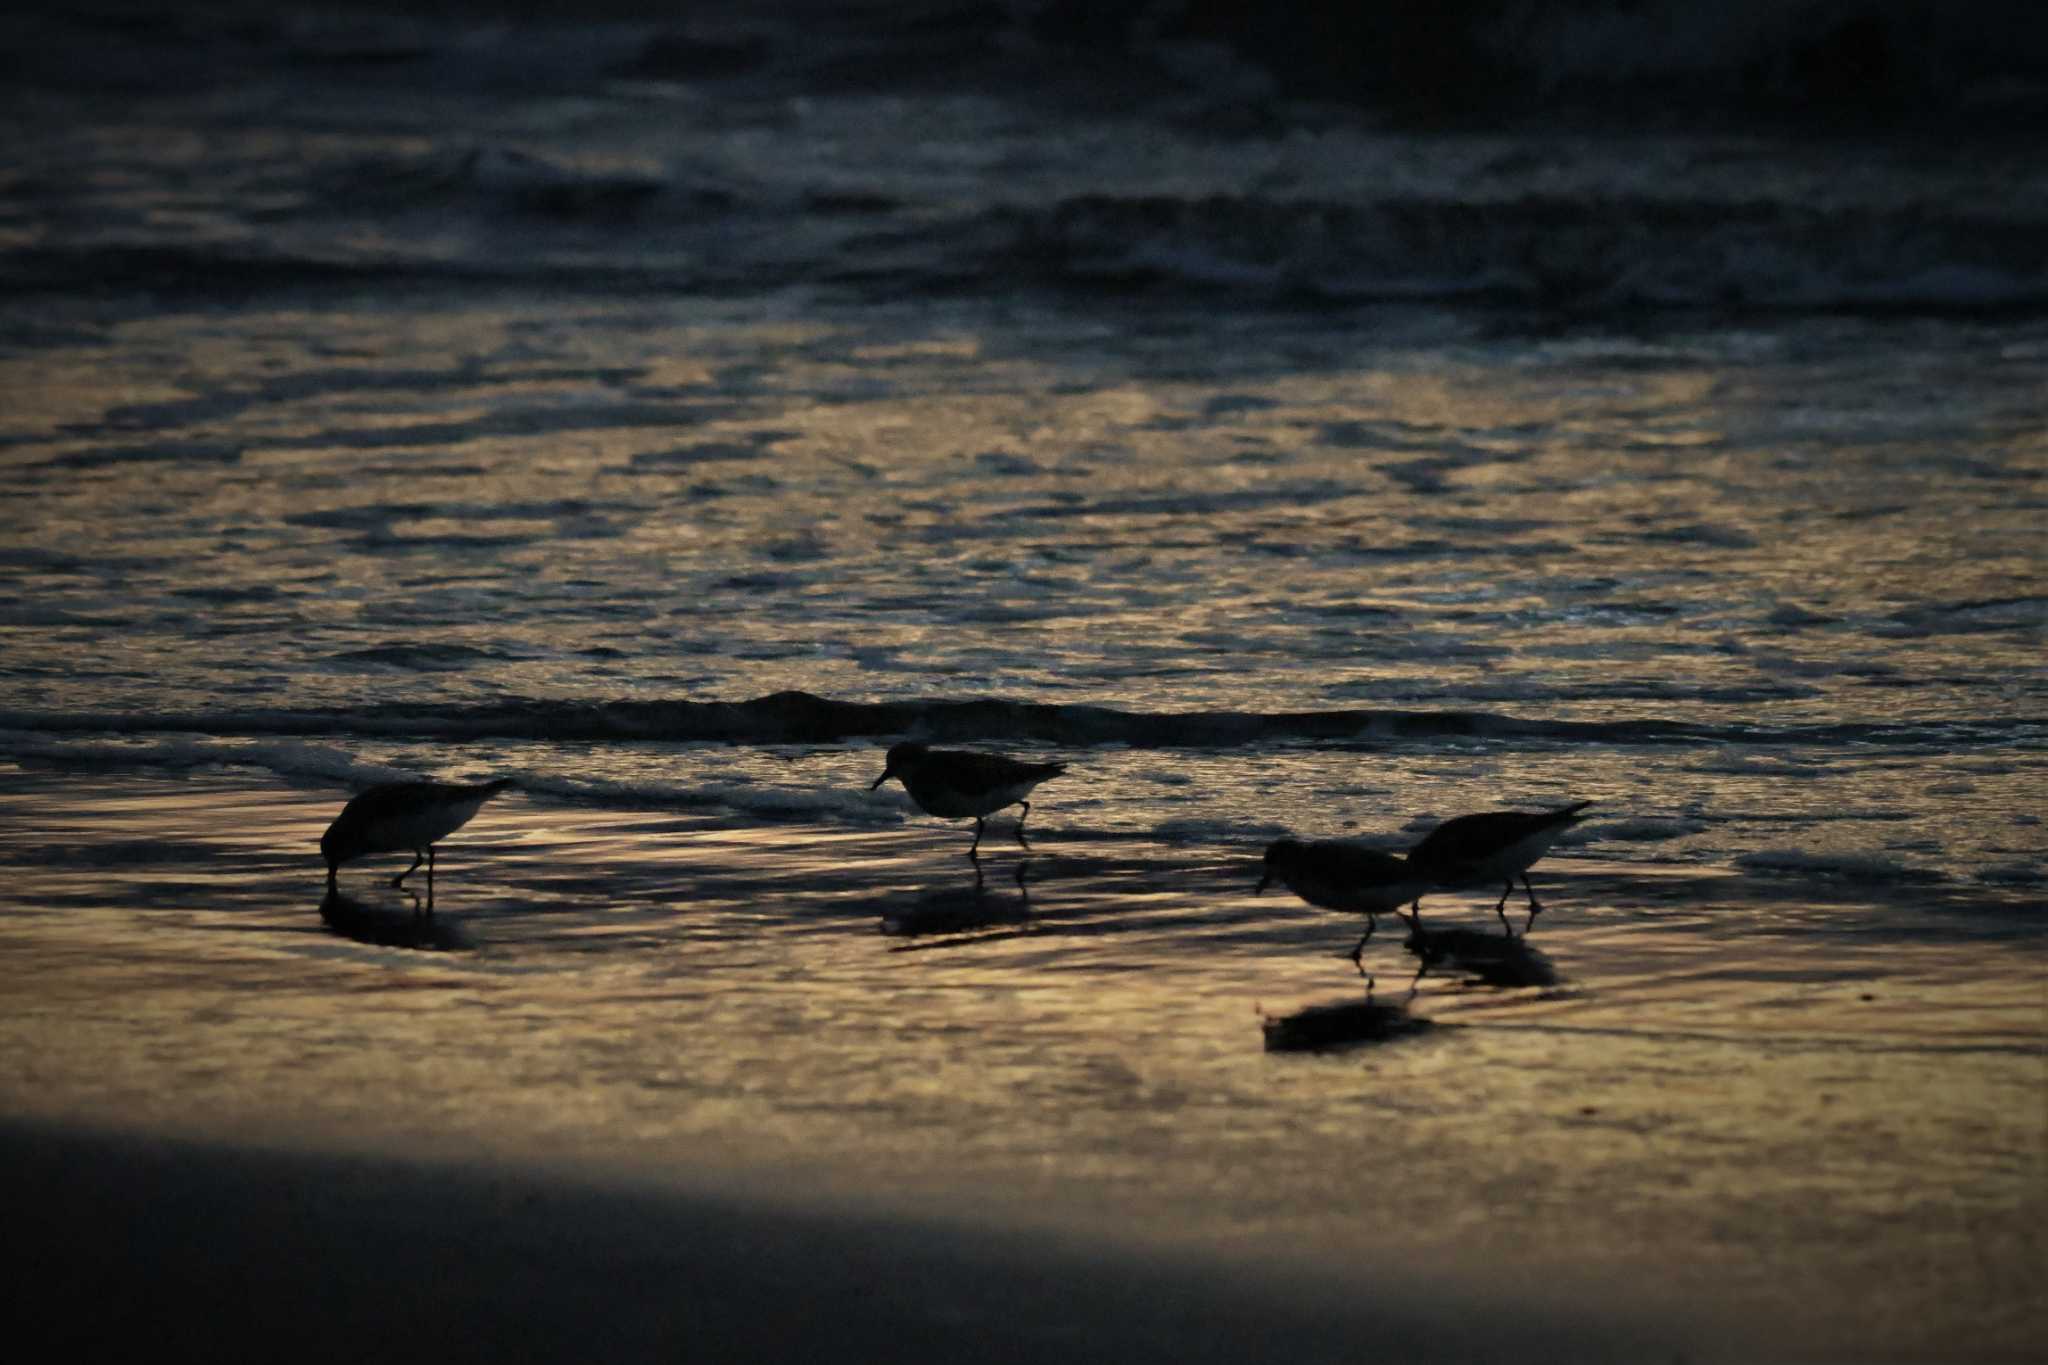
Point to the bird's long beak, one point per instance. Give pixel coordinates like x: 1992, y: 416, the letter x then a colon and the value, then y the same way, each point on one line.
x: 1265, y: 880
x: 887, y: 773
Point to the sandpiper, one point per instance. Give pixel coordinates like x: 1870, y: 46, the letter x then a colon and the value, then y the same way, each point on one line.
x: 1337, y: 874
x: 1495, y: 846
x: 954, y: 783
x: 398, y: 816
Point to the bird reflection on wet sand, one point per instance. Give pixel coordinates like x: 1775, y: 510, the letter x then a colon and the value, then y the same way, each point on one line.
x: 962, y: 909
x: 415, y: 927
x: 1486, y: 958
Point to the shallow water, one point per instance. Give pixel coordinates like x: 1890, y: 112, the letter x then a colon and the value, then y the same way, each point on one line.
x: 457, y: 399
x: 1740, y: 644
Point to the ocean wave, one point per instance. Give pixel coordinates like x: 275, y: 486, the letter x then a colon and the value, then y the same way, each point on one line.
x: 332, y: 764
x: 795, y: 717
x: 241, y: 270
x: 1967, y: 618
x: 1793, y: 61
x: 837, y: 805
x: 191, y: 752
x: 2026, y: 873
x: 1642, y: 829
x: 1594, y: 253
x: 1186, y: 830
x: 424, y: 656
x: 501, y: 178
x: 1847, y: 867
x: 1590, y: 255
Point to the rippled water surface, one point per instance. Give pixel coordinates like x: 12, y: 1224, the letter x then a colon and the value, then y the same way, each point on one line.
x: 1747, y: 591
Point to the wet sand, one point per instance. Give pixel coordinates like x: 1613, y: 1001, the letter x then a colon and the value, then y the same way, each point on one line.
x: 650, y: 1083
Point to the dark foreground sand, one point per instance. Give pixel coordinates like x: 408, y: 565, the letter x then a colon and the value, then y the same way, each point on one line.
x: 201, y: 1252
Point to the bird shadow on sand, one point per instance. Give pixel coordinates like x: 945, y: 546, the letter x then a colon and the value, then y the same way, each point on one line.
x: 979, y: 909
x: 413, y: 926
x: 1337, y: 1024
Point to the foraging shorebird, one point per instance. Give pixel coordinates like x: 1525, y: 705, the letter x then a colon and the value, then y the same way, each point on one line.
x: 1337, y: 874
x: 1496, y: 846
x: 398, y: 816
x: 953, y: 783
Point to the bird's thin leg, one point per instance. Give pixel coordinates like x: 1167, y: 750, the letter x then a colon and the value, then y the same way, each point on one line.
x: 973, y: 849
x: 1358, y: 951
x: 1501, y: 907
x: 1535, y: 906
x: 1020, y: 825
x: 417, y: 859
x: 1415, y: 916
x: 1416, y: 984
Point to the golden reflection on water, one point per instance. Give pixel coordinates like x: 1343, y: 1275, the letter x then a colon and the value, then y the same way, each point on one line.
x: 1541, y: 527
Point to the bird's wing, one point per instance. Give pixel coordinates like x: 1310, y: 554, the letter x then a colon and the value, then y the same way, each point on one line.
x: 985, y: 772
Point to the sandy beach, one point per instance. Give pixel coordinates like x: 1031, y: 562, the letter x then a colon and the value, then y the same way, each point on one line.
x: 732, y: 1119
